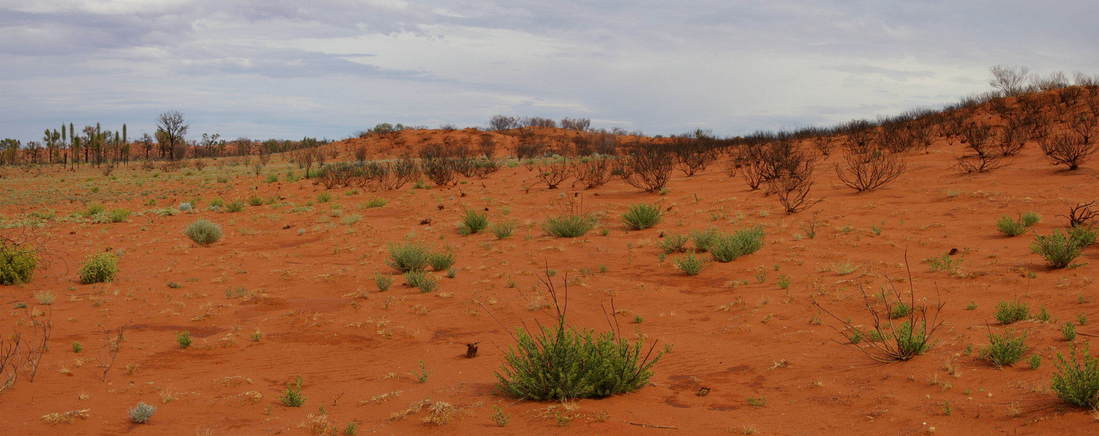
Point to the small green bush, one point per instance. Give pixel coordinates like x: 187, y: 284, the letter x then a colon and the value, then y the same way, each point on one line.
x: 255, y: 201
x: 690, y: 264
x: 383, y: 282
x: 1060, y: 249
x: 502, y: 230
x: 1068, y: 331
x: 1008, y: 312
x: 1005, y: 349
x: 324, y: 197
x: 909, y: 341
x: 1029, y: 219
x: 141, y: 413
x: 421, y: 280
x: 235, y: 206
x: 1010, y: 226
x: 184, y: 339
x: 441, y: 261
x: 569, y: 226
x: 704, y: 239
x: 17, y: 263
x: 899, y: 310
x: 674, y: 244
x: 375, y: 202
x: 1082, y: 236
x: 729, y: 248
x: 293, y: 397
x: 203, y: 232
x: 1077, y: 380
x: 408, y: 257
x: 99, y: 268
x: 472, y: 222
x: 641, y: 216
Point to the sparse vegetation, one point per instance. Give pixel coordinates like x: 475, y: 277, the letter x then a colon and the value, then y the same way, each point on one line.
x: 141, y: 413
x: 1009, y: 312
x: 690, y: 264
x: 727, y: 248
x: 409, y: 257
x: 472, y: 222
x: 568, y: 226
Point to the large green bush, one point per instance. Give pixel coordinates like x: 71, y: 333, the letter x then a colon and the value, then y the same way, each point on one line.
x: 1077, y: 379
x: 1059, y: 248
x: 17, y: 263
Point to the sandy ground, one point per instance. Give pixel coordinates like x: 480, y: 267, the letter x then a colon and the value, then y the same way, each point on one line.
x: 301, y: 273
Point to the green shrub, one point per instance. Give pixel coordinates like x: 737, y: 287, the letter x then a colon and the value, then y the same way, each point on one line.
x: 690, y: 264
x: 729, y: 248
x: 255, y: 201
x: 17, y: 263
x: 674, y: 244
x: 1005, y: 349
x: 141, y: 413
x: 383, y: 282
x: 99, y: 268
x: 1077, y: 381
x: 184, y: 339
x: 909, y: 341
x: 1010, y: 226
x: 899, y: 310
x: 408, y: 257
x: 569, y: 226
x: 441, y: 261
x: 641, y: 216
x: 1060, y: 249
x: 946, y: 262
x: 1068, y: 331
x: 324, y: 197
x: 1082, y: 236
x: 420, y: 279
x: 293, y: 397
x: 1029, y: 219
x: 704, y: 239
x: 1008, y: 312
x: 472, y: 222
x: 375, y: 202
x: 203, y: 232
x: 114, y: 216
x: 235, y: 206
x: 561, y: 363
x: 502, y: 230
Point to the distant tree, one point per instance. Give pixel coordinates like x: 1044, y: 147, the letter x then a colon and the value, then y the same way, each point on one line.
x: 171, y: 132
x: 1009, y: 80
x: 578, y: 124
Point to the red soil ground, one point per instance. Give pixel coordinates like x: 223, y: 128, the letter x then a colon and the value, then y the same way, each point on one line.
x: 308, y: 285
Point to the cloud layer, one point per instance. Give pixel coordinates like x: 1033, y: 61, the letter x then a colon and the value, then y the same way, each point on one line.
x: 274, y: 68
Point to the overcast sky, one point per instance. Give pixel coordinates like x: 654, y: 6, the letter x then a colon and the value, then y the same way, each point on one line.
x: 287, y: 69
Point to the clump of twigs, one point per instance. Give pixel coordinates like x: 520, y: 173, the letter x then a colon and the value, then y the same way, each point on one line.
x: 1081, y: 214
x: 894, y: 335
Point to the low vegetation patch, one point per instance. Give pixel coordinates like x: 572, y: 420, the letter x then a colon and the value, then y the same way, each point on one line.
x: 690, y: 264
x: 1077, y: 379
x: 1014, y: 227
x: 472, y: 222
x: 1005, y: 349
x: 1009, y: 312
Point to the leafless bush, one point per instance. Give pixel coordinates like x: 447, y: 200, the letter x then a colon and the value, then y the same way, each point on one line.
x: 360, y: 153
x: 748, y: 159
x: 1081, y: 214
x: 647, y: 167
x: 338, y: 174
x: 553, y: 173
x: 593, y: 172
x: 502, y: 122
x: 1009, y: 80
x: 823, y: 144
x: 1073, y: 147
x: 387, y: 176
x: 694, y: 154
x: 978, y: 139
x: 539, y: 122
x: 605, y: 143
x: 578, y: 124
x: 529, y: 146
x: 869, y: 171
x: 792, y: 188
x: 487, y: 146
x: 1013, y: 138
x: 435, y: 163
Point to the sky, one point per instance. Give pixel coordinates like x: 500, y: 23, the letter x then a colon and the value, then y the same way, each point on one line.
x: 330, y: 68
